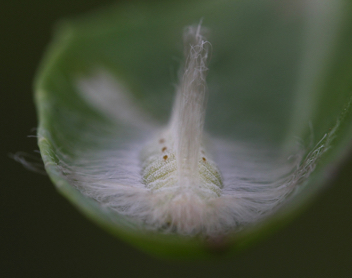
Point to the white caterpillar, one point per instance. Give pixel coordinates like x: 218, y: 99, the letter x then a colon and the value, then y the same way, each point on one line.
x: 175, y: 179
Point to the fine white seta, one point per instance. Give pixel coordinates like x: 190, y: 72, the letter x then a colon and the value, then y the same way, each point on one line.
x: 180, y: 180
x: 178, y: 161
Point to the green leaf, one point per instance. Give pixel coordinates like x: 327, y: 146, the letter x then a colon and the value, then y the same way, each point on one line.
x: 279, y: 80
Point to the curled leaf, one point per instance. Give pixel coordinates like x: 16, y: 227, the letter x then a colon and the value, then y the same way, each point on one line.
x: 170, y: 178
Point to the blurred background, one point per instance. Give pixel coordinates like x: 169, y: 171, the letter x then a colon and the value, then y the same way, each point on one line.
x: 42, y: 235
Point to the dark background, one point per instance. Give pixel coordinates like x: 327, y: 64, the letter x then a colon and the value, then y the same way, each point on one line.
x: 42, y: 235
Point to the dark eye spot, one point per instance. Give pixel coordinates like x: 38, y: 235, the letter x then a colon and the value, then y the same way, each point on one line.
x: 163, y: 149
x: 204, y: 159
x: 165, y: 157
x: 161, y: 141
